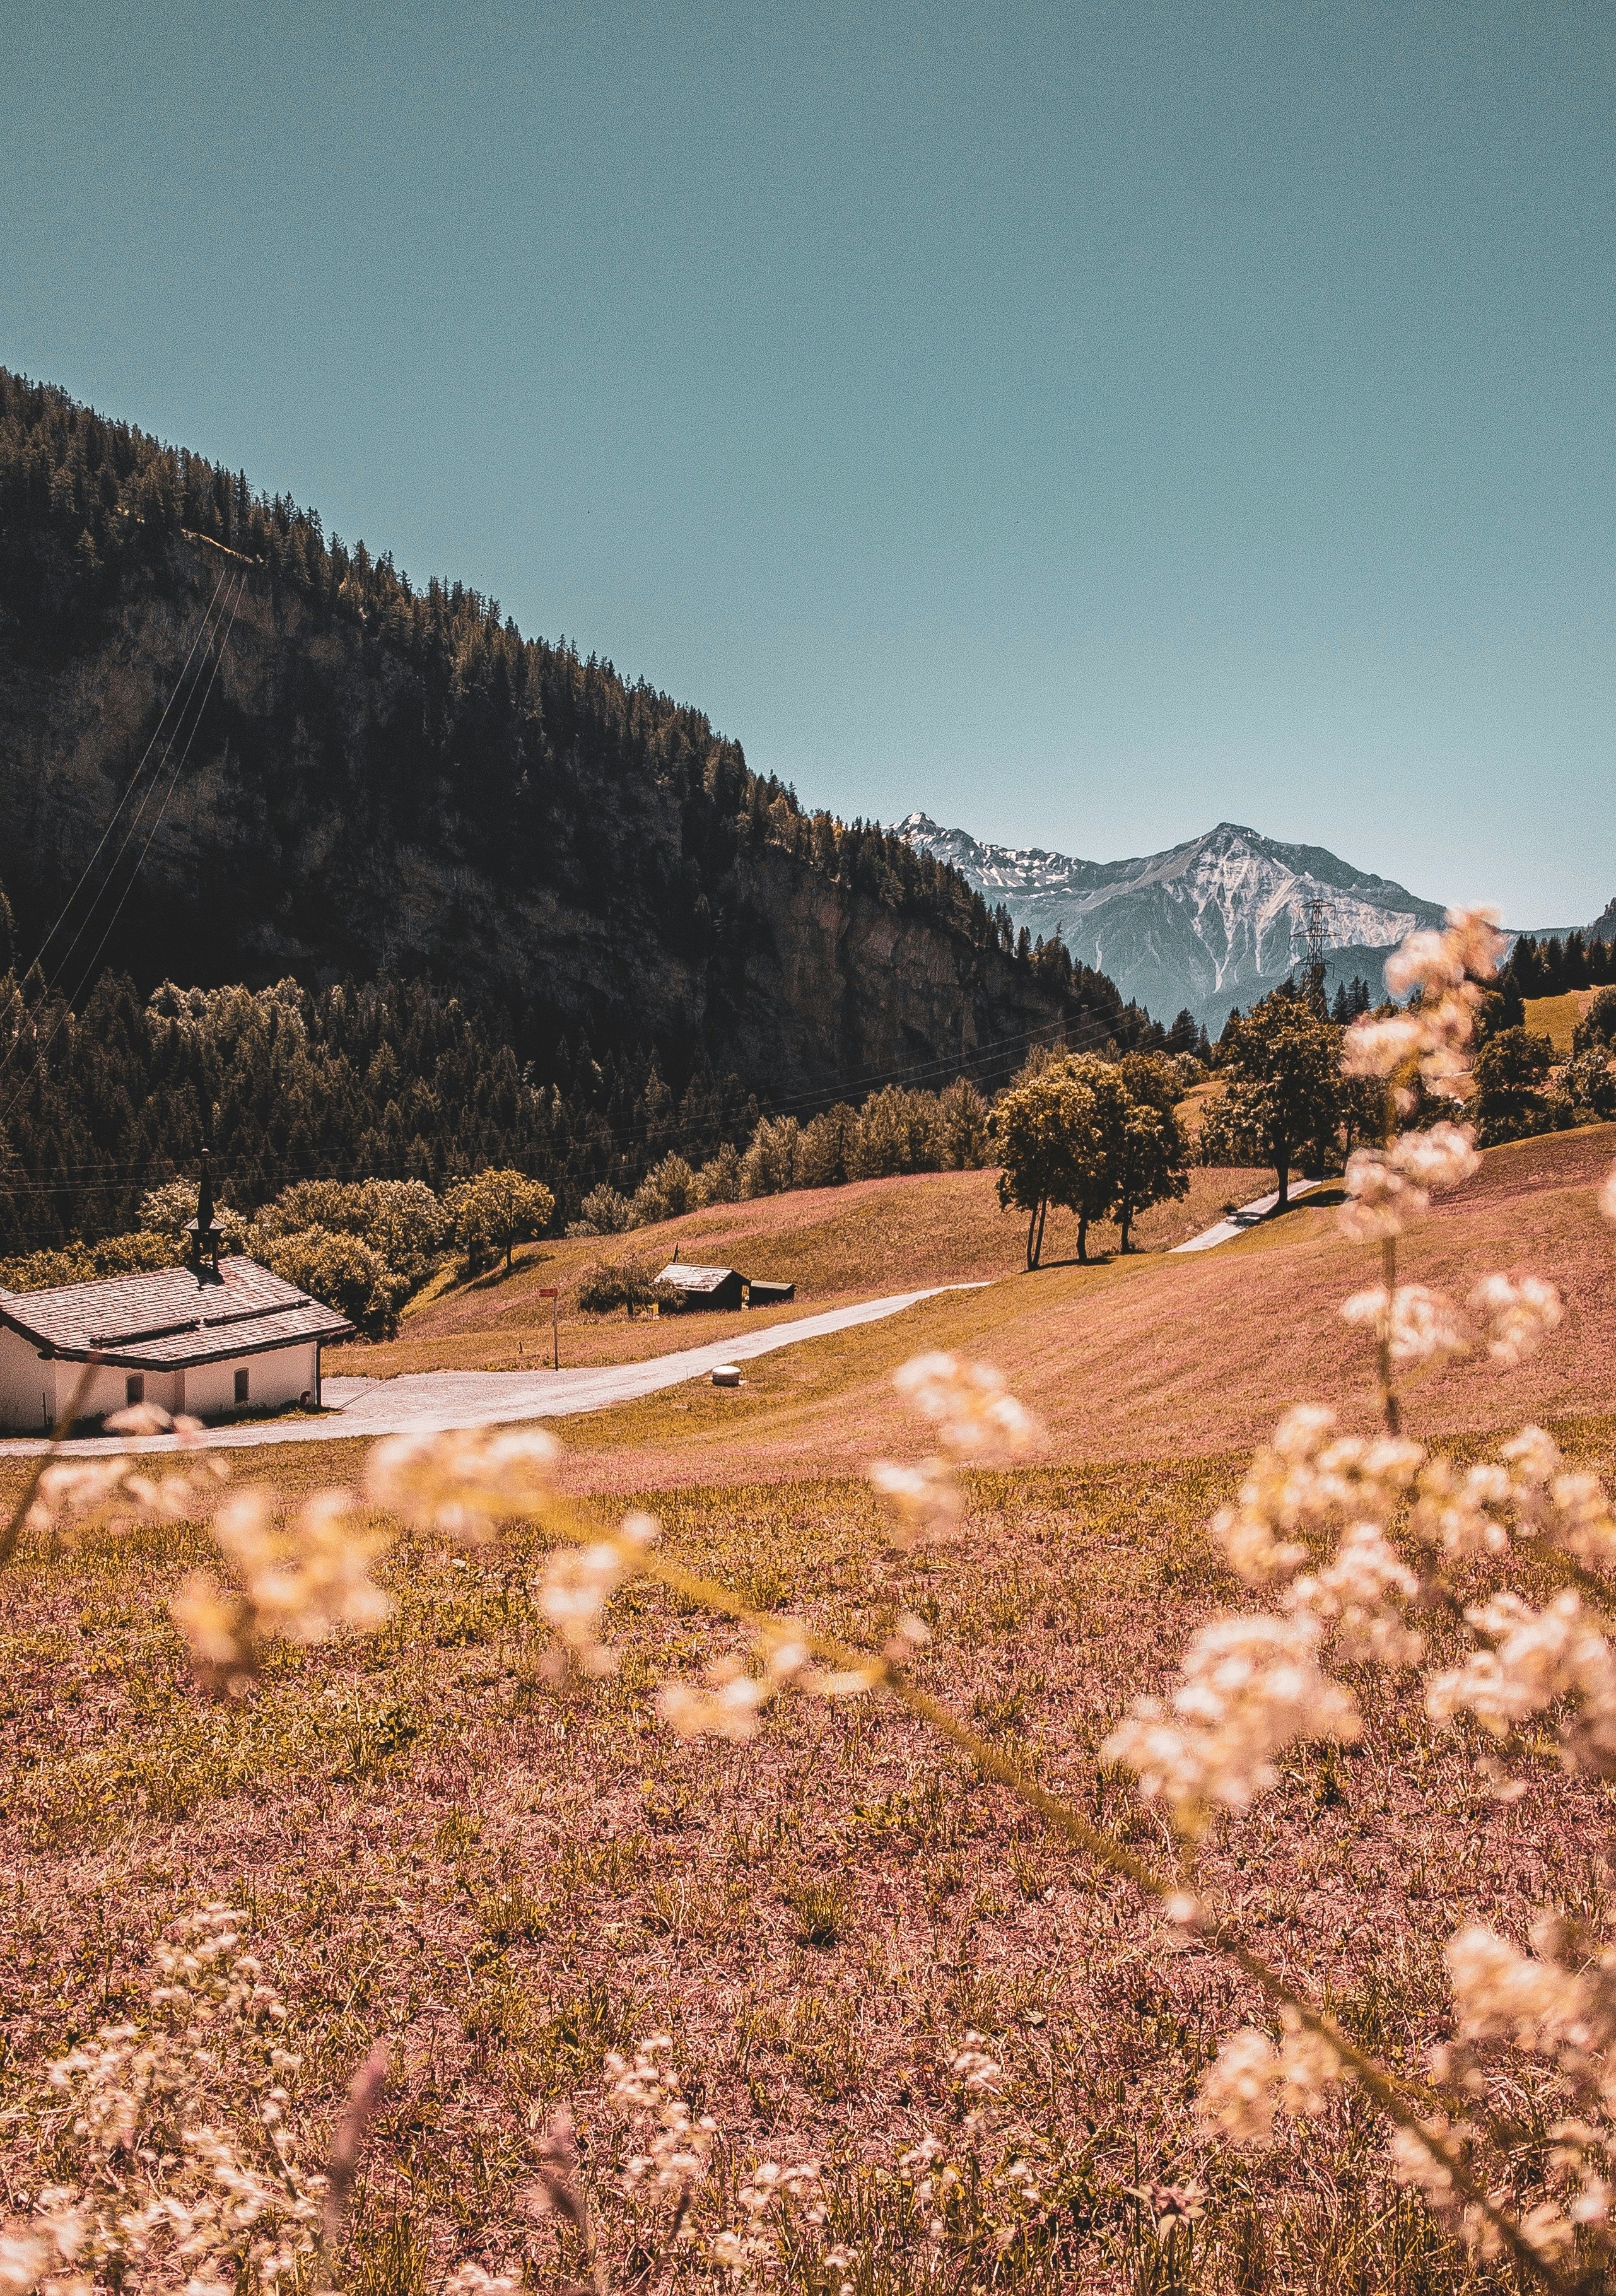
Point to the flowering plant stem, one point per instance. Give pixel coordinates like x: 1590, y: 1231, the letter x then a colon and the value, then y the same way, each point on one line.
x: 1397, y: 2100
x: 1391, y: 1407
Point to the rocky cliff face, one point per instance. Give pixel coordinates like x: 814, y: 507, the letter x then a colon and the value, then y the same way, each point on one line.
x: 326, y: 799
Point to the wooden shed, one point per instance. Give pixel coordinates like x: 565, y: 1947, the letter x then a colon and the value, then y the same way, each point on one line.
x: 704, y: 1287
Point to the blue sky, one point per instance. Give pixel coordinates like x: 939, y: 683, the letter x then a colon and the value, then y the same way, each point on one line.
x: 1086, y: 424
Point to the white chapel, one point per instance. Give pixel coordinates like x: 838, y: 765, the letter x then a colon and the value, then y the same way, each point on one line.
x: 217, y: 1336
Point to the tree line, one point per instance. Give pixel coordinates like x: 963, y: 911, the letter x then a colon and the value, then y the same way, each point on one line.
x: 355, y: 1078
x: 392, y: 1080
x: 1285, y: 1103
x: 896, y: 1130
x: 1548, y: 968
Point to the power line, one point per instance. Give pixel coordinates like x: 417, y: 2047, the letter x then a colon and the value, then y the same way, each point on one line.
x: 54, y: 989
x: 1090, y: 1032
x: 130, y: 786
x: 172, y: 782
x: 69, y: 1004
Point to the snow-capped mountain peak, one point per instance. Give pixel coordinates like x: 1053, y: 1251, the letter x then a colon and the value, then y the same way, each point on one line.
x: 1207, y: 924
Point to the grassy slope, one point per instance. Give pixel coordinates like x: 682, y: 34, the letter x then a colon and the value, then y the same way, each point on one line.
x: 1556, y: 1017
x: 1165, y: 1356
x: 432, y: 1846
x: 835, y: 1245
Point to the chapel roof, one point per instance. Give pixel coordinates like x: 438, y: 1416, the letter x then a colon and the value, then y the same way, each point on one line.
x: 168, y: 1319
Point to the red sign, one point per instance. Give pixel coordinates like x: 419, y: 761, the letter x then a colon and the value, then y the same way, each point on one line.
x: 548, y: 1292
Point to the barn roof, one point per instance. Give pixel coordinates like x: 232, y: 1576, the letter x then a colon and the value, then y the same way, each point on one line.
x: 697, y: 1279
x: 166, y: 1320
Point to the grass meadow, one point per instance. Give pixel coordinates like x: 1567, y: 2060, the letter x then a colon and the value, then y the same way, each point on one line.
x: 431, y: 1842
x: 860, y: 1241
x: 1556, y: 1017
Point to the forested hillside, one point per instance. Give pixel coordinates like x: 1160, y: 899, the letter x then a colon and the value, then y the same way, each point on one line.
x: 525, y: 901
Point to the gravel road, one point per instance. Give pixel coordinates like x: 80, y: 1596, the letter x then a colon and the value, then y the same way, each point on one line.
x: 427, y: 1402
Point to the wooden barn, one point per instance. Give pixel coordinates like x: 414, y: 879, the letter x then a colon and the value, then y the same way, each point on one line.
x: 704, y: 1287
x: 217, y: 1336
x: 721, y: 1287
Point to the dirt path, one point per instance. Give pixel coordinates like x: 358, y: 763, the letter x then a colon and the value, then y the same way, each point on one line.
x: 1248, y: 1216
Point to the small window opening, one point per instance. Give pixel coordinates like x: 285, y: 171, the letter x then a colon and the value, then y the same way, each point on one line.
x: 240, y: 1386
x: 134, y: 1388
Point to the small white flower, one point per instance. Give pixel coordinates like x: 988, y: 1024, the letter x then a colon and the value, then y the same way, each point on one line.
x: 1425, y: 1325
x: 975, y: 1415
x: 1518, y: 1314
x: 1250, y: 1687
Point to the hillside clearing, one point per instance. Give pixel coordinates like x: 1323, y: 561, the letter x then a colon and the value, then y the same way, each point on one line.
x: 1172, y: 1357
x: 1556, y: 1017
x: 837, y: 1245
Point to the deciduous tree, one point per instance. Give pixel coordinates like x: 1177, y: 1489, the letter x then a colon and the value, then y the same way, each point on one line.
x: 1059, y: 1136
x: 496, y: 1211
x: 1283, y: 1063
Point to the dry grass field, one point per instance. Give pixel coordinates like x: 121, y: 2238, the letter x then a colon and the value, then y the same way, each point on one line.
x: 431, y: 1844
x: 1169, y: 1356
x: 836, y: 1244
x: 1556, y: 1017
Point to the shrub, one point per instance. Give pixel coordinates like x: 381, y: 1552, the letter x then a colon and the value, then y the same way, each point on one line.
x: 80, y: 1263
x: 1587, y: 1090
x: 134, y: 1254
x: 666, y: 1190
x: 628, y: 1282
x: 344, y: 1272
x: 43, y: 1271
x: 604, y: 1212
x: 167, y: 1210
x: 402, y: 1221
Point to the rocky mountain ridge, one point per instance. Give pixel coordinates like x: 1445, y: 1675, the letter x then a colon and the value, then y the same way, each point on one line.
x: 1206, y: 925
